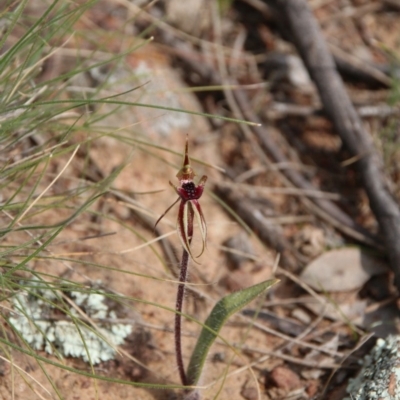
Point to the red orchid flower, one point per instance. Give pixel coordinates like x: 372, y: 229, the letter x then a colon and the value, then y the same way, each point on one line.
x: 189, y: 193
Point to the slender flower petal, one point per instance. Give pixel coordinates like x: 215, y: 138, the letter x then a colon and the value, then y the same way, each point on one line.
x: 165, y: 212
x: 201, y: 222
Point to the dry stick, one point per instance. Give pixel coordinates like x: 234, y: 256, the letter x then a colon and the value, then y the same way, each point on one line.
x: 272, y: 235
x: 358, y: 67
x: 311, y: 45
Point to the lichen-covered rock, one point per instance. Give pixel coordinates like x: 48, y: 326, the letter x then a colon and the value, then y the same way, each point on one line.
x: 379, y: 377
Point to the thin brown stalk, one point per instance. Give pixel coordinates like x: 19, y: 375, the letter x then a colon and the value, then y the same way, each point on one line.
x: 178, y: 316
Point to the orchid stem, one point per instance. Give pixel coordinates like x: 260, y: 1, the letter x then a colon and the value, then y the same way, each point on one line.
x: 178, y: 315
x: 189, y: 193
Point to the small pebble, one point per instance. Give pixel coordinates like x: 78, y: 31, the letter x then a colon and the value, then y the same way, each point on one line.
x: 284, y: 378
x: 249, y: 393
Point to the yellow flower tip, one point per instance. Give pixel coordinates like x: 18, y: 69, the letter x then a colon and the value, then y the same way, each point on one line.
x: 186, y: 172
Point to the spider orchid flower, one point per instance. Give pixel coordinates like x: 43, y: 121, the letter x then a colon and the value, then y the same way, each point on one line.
x: 189, y: 194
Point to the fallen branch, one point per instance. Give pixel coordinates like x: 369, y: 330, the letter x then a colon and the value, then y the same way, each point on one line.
x: 312, y: 47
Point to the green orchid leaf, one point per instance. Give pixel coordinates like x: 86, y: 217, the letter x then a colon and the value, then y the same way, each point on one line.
x: 218, y: 316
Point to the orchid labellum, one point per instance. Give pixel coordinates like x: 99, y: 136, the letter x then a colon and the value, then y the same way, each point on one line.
x: 189, y: 194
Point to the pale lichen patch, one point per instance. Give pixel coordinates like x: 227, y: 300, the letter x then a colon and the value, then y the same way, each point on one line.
x: 68, y: 335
